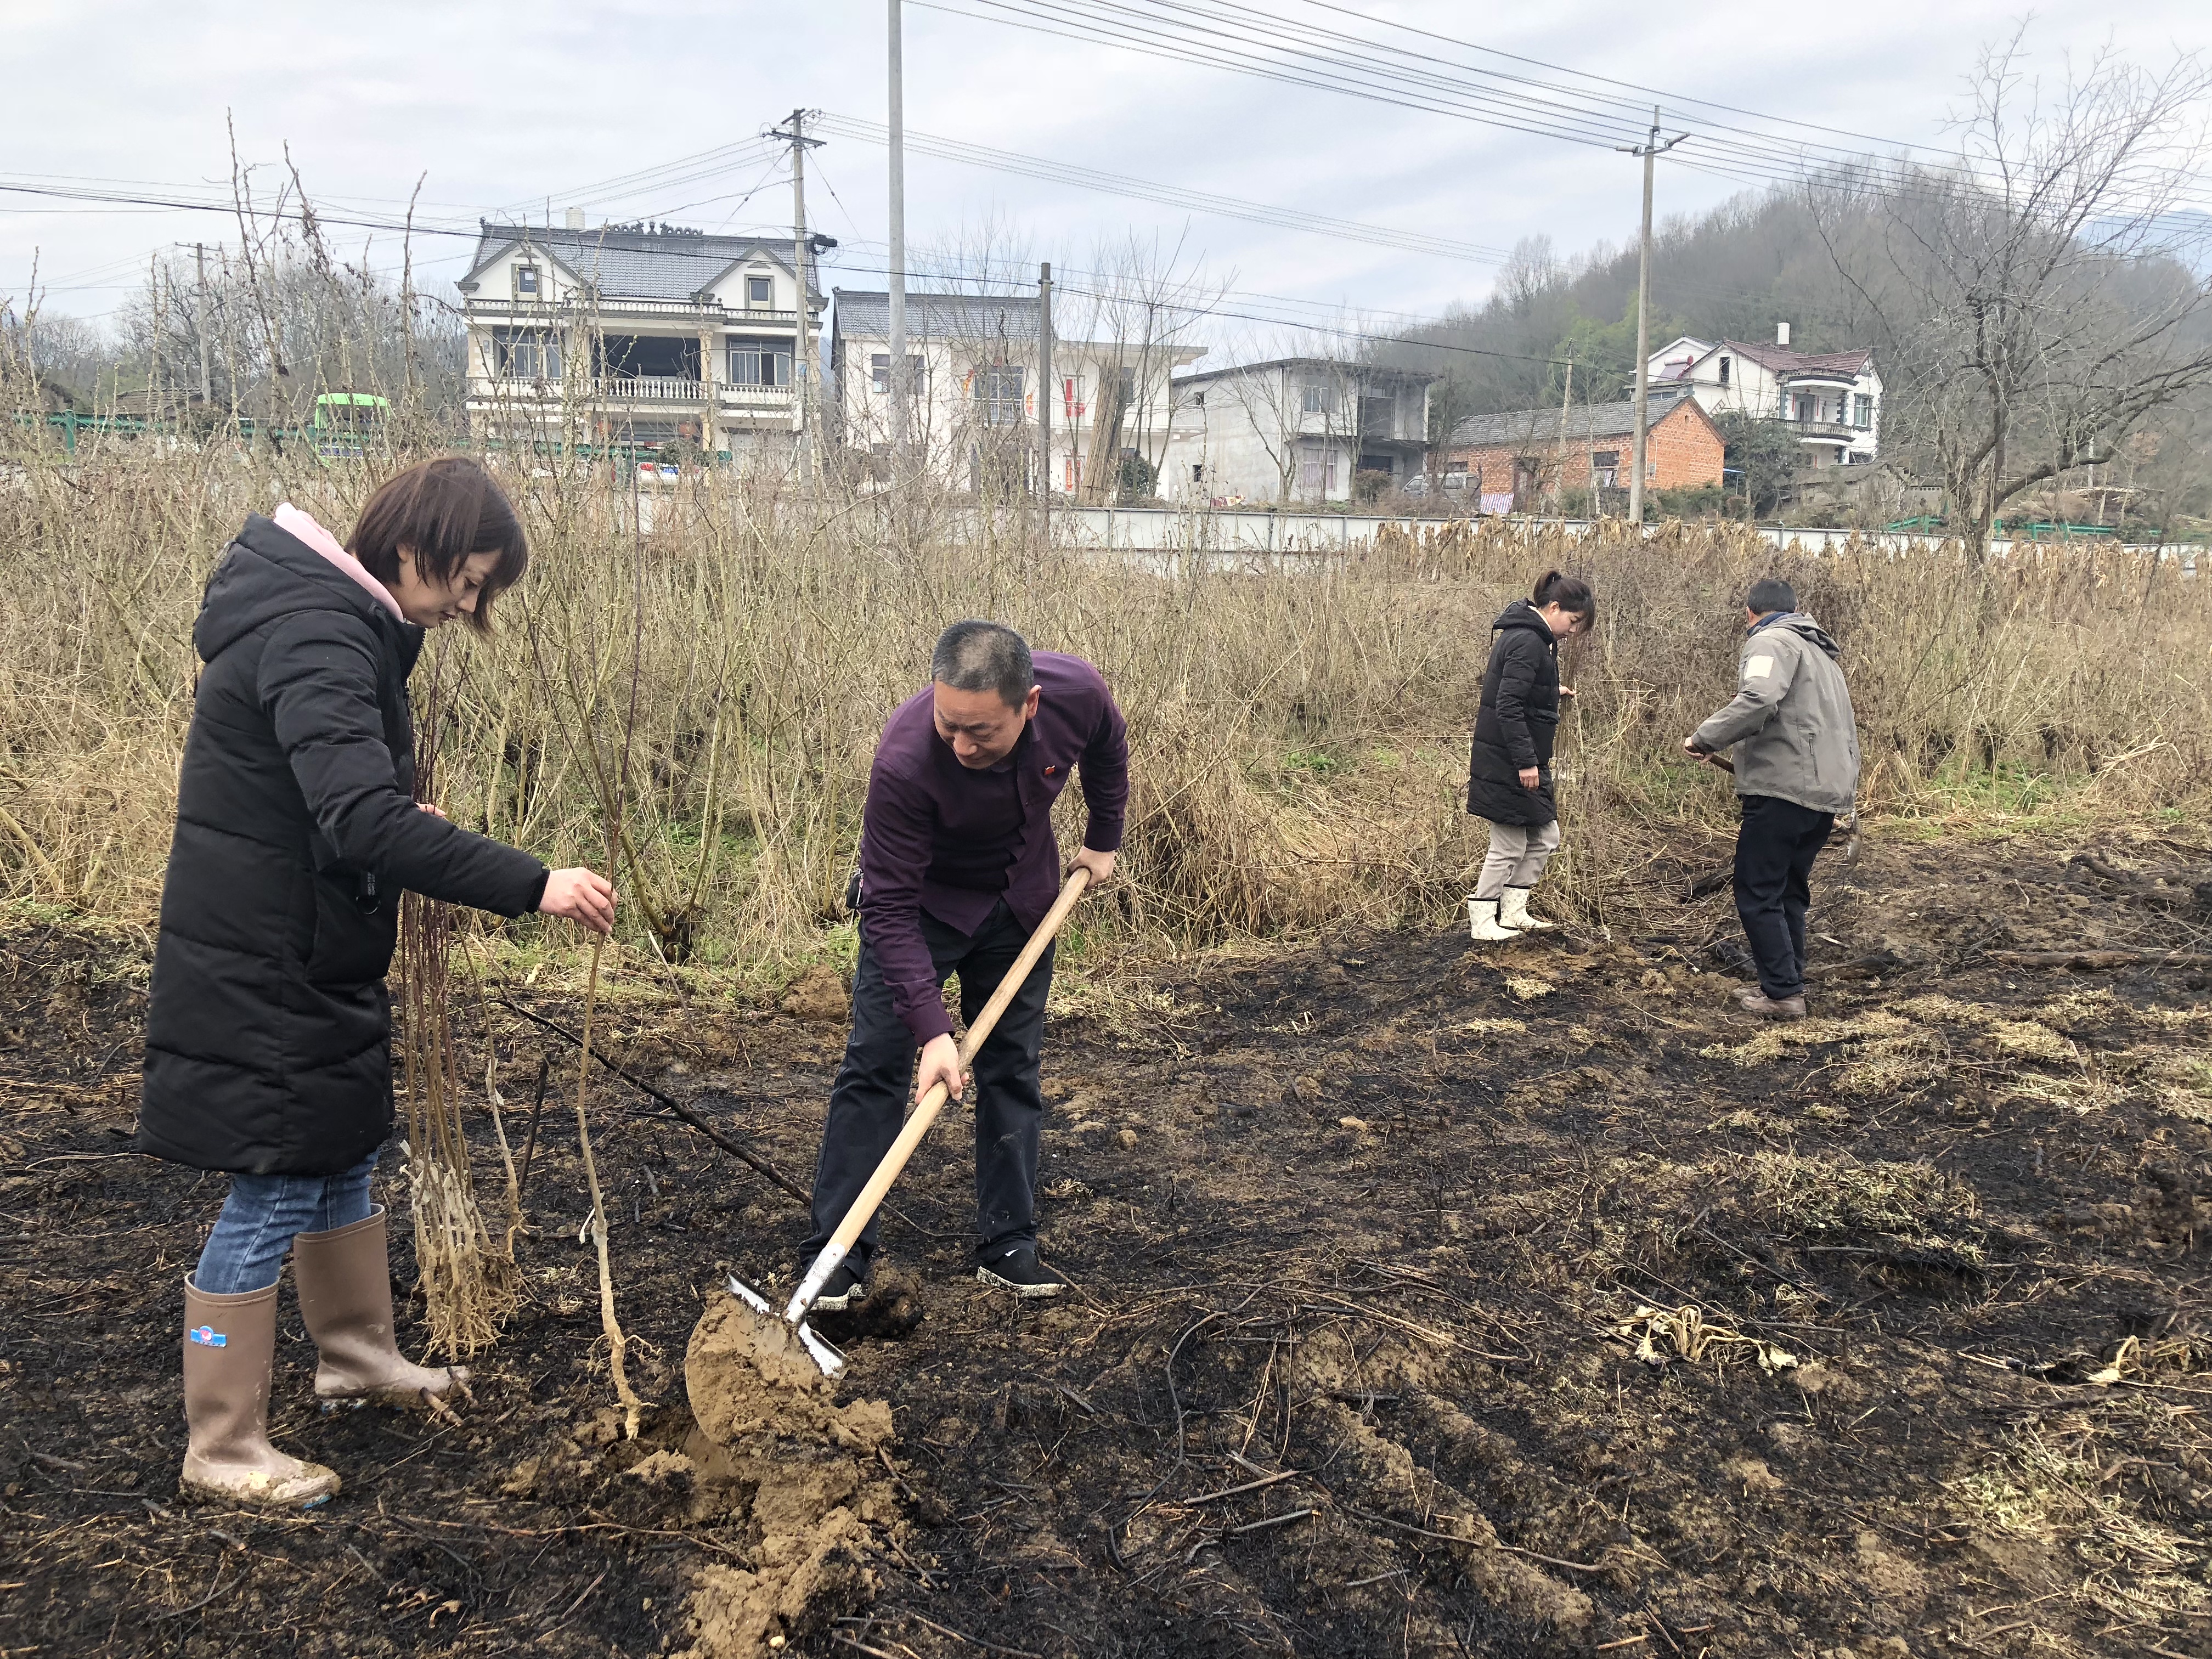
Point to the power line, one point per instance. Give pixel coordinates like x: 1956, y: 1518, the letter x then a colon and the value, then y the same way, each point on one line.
x: 1220, y: 35
x: 979, y: 155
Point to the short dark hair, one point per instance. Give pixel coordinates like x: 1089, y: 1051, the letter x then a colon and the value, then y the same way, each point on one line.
x: 1570, y: 593
x: 984, y: 656
x: 1769, y: 594
x: 442, y: 512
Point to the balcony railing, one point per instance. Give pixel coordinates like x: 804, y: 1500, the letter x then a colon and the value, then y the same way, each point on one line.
x: 640, y: 389
x: 652, y: 389
x: 1824, y: 432
x: 674, y: 310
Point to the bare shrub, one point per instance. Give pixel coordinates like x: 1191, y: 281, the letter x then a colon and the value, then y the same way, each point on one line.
x: 1298, y: 727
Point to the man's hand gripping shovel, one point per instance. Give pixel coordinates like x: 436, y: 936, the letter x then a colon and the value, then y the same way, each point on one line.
x: 917, y: 1124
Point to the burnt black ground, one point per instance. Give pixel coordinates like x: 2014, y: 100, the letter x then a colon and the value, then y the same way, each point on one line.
x: 1328, y: 1219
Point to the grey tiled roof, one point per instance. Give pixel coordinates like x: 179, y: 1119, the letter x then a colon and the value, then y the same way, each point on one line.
x: 1540, y: 426
x: 939, y: 316
x: 631, y: 265
x: 1781, y: 360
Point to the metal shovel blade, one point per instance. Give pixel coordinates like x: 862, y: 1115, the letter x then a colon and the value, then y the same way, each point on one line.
x: 826, y: 1359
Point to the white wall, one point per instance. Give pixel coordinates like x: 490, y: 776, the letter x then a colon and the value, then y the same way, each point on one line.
x: 948, y: 422
x: 1254, y: 440
x: 1752, y: 389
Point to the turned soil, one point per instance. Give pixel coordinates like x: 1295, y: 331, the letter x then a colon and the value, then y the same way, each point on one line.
x: 1429, y: 1299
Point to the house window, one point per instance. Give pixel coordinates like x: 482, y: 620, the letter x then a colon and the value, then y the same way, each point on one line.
x: 1128, y: 387
x: 1318, y: 396
x: 1198, y: 400
x: 525, y: 282
x: 1808, y: 409
x: 760, y: 362
x: 521, y: 353
x: 1862, y: 412
x: 879, y: 372
x: 760, y: 292
x: 999, y: 394
x: 1198, y: 472
x: 1605, y: 469
x: 1724, y: 371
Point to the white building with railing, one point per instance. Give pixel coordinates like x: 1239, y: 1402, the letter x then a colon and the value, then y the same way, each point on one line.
x: 631, y: 334
x: 974, y: 368
x: 1831, y: 399
x: 1294, y: 429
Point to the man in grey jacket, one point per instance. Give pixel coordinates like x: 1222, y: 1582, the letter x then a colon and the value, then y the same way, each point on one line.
x: 1796, y: 767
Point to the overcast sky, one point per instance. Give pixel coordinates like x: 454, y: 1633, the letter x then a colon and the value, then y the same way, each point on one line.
x: 504, y: 107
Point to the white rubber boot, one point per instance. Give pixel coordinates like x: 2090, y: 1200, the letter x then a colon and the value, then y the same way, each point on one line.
x: 1513, y: 912
x: 1482, y: 921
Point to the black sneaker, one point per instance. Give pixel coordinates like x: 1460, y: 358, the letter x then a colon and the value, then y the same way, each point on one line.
x: 845, y: 1287
x: 1015, y: 1268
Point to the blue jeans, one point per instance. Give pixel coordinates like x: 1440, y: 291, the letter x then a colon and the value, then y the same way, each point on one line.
x: 259, y: 1219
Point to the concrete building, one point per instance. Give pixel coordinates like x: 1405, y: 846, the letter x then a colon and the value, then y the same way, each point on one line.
x: 1832, y: 399
x: 634, y: 334
x: 1293, y: 430
x: 973, y: 366
x: 1520, y: 462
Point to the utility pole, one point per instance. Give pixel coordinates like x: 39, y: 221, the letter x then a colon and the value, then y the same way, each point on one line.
x: 1559, y: 465
x: 899, y: 389
x: 1648, y: 150
x: 802, y: 356
x: 1044, y: 398
x: 200, y: 323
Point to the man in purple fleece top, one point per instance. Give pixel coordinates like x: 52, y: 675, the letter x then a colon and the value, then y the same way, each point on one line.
x: 958, y: 865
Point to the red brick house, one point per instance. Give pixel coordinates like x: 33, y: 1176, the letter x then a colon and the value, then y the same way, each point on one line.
x: 1512, y: 462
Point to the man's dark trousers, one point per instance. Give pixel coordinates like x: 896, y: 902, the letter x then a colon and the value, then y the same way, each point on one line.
x: 868, y: 1104
x: 1774, y: 853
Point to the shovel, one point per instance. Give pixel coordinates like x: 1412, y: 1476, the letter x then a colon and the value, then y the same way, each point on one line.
x: 832, y: 1362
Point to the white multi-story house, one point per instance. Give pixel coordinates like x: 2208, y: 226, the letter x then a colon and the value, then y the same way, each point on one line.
x: 1832, y: 399
x: 634, y: 335
x: 1294, y: 430
x: 974, y: 363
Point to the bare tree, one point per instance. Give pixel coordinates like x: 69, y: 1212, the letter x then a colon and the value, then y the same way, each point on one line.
x: 2036, y: 300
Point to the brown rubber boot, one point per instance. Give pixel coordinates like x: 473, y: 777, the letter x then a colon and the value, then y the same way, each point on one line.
x: 344, y: 1278
x: 230, y: 1346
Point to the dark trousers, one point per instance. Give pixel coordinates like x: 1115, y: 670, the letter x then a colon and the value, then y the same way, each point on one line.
x: 868, y: 1104
x: 1774, y: 853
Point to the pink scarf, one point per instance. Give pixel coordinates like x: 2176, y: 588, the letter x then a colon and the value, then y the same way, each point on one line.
x: 297, y: 525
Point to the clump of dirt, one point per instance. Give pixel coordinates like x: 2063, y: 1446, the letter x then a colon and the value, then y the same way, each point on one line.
x: 773, y: 1445
x: 817, y: 995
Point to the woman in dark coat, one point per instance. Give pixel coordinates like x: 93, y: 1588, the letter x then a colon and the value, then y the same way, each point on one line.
x: 1509, y: 780
x: 268, y: 1028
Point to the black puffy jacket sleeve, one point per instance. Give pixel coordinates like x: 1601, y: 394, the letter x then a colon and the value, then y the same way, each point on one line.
x: 1516, y: 678
x: 318, y: 686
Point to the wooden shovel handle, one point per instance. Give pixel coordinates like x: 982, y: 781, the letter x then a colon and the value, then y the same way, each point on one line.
x: 926, y: 1110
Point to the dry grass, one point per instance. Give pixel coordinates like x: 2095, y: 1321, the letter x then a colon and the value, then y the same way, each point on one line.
x: 1298, y: 737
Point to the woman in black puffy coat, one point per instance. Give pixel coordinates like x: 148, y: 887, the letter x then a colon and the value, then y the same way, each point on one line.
x: 1509, y: 779
x: 268, y: 1028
